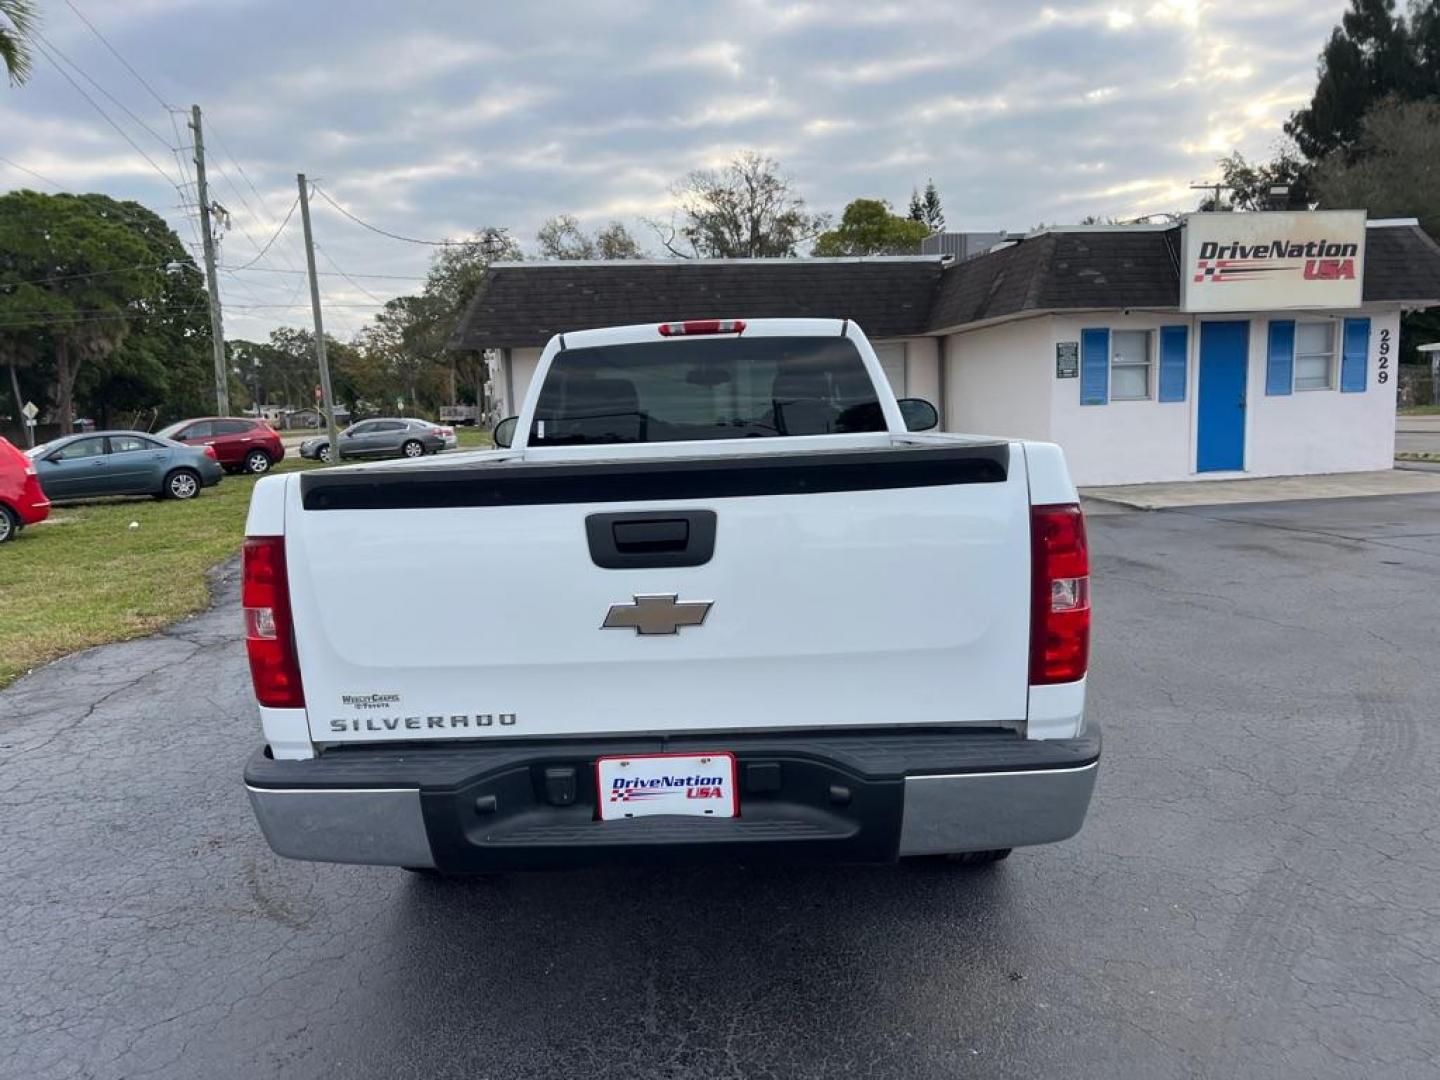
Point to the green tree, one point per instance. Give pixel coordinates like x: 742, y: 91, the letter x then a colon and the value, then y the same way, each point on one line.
x: 17, y: 19
x: 1252, y: 184
x: 75, y: 277
x: 455, y: 276
x: 934, y: 215
x: 615, y: 242
x: 746, y: 210
x: 917, y: 206
x: 561, y: 237
x: 868, y: 227
x: 1368, y: 58
x: 164, y: 365
x: 1391, y: 172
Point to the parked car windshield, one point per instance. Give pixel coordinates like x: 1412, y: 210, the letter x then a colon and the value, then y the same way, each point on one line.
x: 705, y: 388
x: 169, y: 432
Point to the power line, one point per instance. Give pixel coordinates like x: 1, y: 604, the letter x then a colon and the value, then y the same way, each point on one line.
x: 32, y: 172
x: 293, y: 296
x: 127, y: 316
x: 72, y: 277
x: 69, y: 192
x: 249, y: 210
x: 348, y: 278
x: 274, y: 236
x: 185, y: 200
x: 241, y: 170
x: 323, y: 273
x: 113, y: 99
x: 103, y: 114
x: 80, y: 320
x: 385, y: 232
x: 115, y: 53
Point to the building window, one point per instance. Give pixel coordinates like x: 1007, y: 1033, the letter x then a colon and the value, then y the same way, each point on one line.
x: 1314, y: 356
x: 1130, y: 365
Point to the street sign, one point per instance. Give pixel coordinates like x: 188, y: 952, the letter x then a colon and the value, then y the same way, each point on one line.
x: 30, y: 411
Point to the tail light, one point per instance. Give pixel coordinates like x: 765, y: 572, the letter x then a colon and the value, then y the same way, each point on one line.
x: 702, y: 326
x: 269, y: 632
x: 210, y: 452
x: 1059, y: 595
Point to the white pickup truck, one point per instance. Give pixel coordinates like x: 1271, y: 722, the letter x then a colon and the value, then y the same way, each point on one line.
x: 717, y: 596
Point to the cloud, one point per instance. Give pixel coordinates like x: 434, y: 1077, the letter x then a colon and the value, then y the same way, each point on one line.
x: 435, y: 120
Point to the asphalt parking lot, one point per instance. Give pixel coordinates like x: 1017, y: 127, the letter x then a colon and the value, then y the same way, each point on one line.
x: 1257, y: 893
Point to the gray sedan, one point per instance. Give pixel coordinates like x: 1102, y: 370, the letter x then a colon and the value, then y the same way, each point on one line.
x: 384, y: 437
x: 123, y: 463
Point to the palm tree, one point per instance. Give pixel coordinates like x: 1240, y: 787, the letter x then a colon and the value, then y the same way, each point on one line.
x: 16, y: 19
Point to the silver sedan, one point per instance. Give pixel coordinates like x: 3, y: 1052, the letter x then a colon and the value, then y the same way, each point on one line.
x: 384, y: 437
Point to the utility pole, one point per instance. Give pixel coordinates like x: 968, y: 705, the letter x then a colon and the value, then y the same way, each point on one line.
x: 328, y: 396
x: 207, y: 238
x: 1216, y: 186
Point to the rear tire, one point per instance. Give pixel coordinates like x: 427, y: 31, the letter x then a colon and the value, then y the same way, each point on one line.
x: 181, y: 484
x: 9, y: 524
x: 413, y: 448
x: 257, y: 462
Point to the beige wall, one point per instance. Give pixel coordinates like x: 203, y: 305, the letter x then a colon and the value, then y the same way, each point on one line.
x: 1308, y: 431
x: 522, y: 369
x: 922, y: 366
x: 997, y: 380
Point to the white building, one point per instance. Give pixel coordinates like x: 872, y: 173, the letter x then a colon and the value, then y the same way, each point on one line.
x: 1229, y: 345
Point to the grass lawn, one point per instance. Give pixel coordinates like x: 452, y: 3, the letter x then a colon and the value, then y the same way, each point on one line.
x: 474, y: 438
x: 85, y: 577
x: 1420, y: 410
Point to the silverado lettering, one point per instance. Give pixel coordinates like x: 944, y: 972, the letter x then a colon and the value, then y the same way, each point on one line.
x: 415, y: 723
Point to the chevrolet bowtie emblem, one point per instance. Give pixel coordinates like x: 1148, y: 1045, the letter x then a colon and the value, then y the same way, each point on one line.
x: 660, y: 614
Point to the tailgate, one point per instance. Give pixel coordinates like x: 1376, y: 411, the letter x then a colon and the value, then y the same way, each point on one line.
x: 878, y: 587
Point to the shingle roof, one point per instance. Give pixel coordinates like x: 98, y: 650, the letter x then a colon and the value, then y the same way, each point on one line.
x: 1401, y: 263
x: 521, y: 305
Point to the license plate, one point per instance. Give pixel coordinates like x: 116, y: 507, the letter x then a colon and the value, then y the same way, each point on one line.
x: 695, y: 785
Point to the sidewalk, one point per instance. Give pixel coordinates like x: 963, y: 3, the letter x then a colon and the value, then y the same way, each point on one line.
x: 1266, y: 489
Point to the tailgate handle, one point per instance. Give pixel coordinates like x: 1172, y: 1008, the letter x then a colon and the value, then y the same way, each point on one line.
x: 633, y: 541
x: 665, y: 534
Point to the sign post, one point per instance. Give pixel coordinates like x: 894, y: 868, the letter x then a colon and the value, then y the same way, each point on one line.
x: 29, y: 411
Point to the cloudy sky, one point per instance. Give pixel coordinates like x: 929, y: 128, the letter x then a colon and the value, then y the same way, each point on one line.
x: 431, y: 119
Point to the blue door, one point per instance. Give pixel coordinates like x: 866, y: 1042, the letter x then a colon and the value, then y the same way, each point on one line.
x: 1220, y: 442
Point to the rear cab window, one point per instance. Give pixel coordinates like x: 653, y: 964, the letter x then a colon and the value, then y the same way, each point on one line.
x: 692, y: 389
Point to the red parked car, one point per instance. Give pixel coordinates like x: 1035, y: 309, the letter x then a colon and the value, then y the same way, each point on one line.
x: 22, y: 501
x: 251, y: 446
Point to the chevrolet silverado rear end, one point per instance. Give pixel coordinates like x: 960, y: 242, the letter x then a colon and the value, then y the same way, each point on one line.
x: 714, y: 600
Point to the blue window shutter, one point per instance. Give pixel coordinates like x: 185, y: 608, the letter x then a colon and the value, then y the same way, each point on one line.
x: 1280, y: 367
x: 1355, y: 359
x: 1174, y: 345
x: 1094, y: 367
